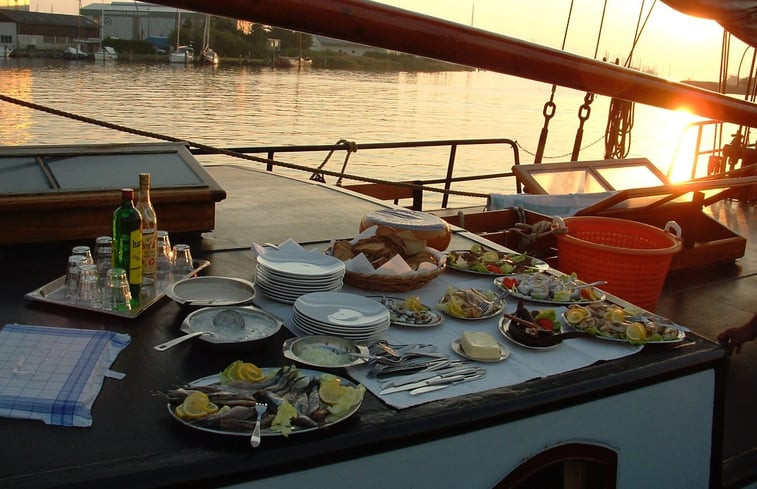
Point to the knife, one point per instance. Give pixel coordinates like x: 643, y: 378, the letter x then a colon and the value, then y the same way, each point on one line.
x: 428, y: 374
x: 431, y: 388
x: 475, y: 373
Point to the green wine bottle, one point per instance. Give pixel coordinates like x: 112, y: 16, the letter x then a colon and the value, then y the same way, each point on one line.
x: 127, y: 241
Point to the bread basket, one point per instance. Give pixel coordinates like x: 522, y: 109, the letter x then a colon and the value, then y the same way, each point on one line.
x: 392, y: 283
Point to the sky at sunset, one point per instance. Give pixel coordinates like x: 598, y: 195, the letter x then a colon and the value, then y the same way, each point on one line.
x: 674, y: 45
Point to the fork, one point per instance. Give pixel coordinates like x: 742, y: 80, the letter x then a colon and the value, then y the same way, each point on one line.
x: 260, y: 408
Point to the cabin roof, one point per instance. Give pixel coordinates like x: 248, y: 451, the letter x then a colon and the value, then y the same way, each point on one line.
x: 39, y: 18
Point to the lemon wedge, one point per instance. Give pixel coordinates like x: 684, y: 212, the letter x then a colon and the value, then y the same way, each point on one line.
x: 636, y: 332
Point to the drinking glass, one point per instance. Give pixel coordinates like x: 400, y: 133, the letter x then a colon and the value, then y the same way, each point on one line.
x: 182, y: 261
x: 115, y: 293
x: 87, y: 289
x: 71, y: 282
x: 84, y: 251
x: 163, y: 259
x: 103, y: 257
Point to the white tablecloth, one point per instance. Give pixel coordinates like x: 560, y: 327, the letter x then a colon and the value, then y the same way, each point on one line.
x: 523, y: 364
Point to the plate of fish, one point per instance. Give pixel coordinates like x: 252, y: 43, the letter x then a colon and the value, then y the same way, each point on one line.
x: 550, y: 289
x: 611, y: 322
x: 298, y: 401
x: 409, y: 312
x: 471, y: 303
x: 479, y: 261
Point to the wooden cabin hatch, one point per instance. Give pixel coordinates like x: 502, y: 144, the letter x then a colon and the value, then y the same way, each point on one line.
x: 62, y: 193
x: 643, y: 194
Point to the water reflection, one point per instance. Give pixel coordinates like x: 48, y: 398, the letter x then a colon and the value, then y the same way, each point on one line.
x: 235, y: 105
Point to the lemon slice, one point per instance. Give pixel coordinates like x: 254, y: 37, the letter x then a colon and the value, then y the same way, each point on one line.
x: 196, y: 405
x: 636, y: 332
x: 331, y: 390
x: 240, y: 370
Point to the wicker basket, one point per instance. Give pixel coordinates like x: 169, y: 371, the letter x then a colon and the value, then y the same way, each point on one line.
x: 633, y: 257
x: 391, y: 283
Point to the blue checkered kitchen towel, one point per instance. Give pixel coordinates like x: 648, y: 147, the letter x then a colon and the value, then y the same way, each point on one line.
x: 55, y: 374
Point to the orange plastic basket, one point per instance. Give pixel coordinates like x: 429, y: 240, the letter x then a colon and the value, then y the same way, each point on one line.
x: 633, y: 257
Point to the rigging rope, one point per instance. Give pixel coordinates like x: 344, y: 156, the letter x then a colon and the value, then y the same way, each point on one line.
x: 621, y: 113
x: 235, y: 154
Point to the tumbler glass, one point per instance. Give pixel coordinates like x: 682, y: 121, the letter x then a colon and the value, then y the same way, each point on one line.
x: 72, y: 276
x: 182, y: 261
x: 103, y: 257
x: 115, y: 293
x: 88, y: 290
x: 163, y: 260
x: 84, y: 251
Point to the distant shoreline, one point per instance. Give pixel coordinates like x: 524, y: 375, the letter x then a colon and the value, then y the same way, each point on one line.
x: 732, y: 87
x: 323, y: 60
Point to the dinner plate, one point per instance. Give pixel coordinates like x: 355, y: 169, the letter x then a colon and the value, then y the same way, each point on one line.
x: 514, y: 292
x: 341, y: 309
x: 213, y: 379
x: 458, y: 348
x: 534, y: 265
x: 504, y: 326
x: 305, y: 263
x: 399, y: 319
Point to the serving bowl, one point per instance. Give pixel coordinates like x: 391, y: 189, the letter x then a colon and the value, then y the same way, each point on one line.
x: 237, y: 325
x: 324, y: 351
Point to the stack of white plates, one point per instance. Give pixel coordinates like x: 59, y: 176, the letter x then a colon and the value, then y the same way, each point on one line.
x: 285, y: 275
x: 340, y: 314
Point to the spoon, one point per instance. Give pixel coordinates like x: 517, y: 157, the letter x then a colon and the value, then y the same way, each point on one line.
x: 228, y: 320
x: 168, y: 344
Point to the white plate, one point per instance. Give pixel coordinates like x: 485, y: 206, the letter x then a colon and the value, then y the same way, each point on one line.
x: 301, y: 264
x: 504, y: 325
x: 457, y: 347
x: 436, y: 318
x: 313, y: 328
x: 262, y: 273
x: 341, y: 309
x: 213, y: 379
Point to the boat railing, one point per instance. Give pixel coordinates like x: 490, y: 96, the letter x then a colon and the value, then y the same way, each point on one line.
x: 384, y: 189
x: 709, y: 147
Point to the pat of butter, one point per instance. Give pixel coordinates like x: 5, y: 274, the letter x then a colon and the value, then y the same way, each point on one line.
x: 477, y: 344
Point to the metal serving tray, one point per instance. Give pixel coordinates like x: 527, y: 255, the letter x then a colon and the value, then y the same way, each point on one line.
x: 55, y: 293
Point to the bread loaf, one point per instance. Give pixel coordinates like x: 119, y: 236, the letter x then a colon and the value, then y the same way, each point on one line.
x: 434, y: 230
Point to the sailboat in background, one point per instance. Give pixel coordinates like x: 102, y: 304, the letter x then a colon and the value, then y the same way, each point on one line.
x: 104, y: 53
x: 182, y: 54
x: 207, y: 55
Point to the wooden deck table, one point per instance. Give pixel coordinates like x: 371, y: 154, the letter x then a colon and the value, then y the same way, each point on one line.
x: 630, y: 404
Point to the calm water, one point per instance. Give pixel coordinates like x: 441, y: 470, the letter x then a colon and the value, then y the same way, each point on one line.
x: 233, y: 105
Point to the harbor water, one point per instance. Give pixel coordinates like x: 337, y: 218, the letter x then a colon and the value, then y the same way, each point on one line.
x: 234, y: 105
